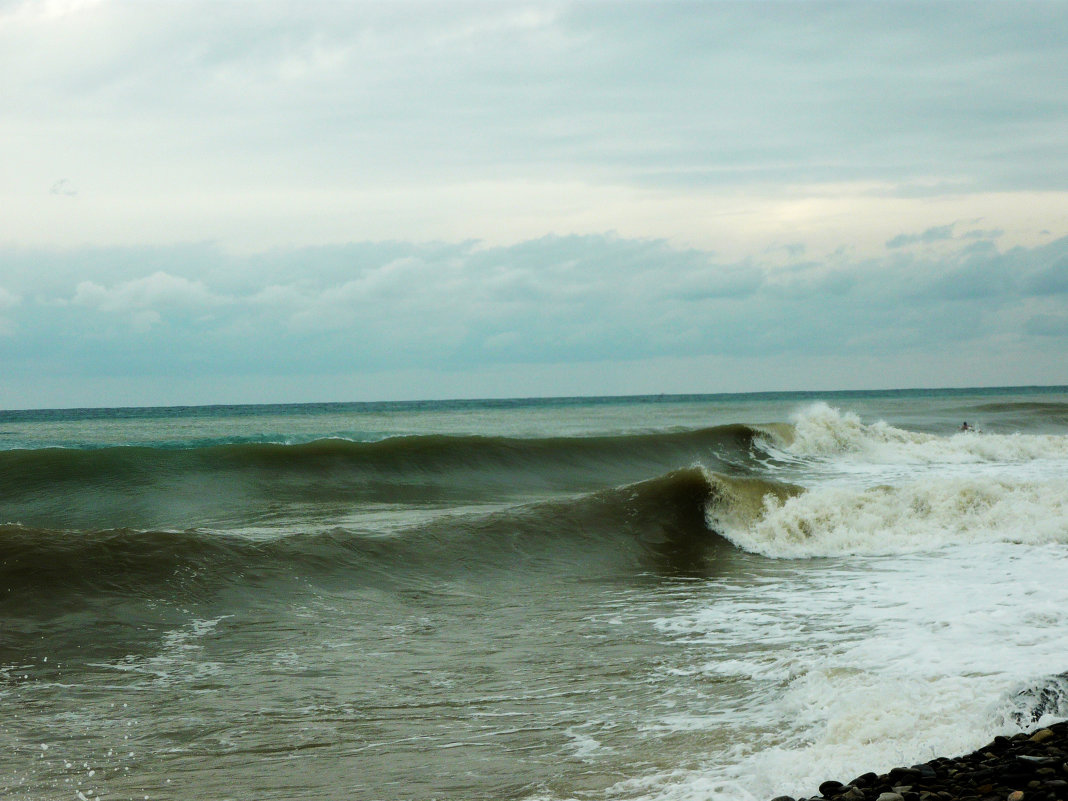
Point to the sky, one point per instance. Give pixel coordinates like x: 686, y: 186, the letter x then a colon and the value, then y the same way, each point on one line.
x: 241, y: 202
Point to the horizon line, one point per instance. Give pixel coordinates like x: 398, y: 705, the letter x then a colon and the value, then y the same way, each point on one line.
x: 665, y: 396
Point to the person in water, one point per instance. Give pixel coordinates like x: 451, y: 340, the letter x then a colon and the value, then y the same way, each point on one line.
x: 965, y: 427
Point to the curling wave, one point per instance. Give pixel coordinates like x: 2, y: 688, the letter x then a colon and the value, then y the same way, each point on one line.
x: 137, y: 487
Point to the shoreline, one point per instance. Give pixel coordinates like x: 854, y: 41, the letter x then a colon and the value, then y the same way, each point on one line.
x: 1031, y: 766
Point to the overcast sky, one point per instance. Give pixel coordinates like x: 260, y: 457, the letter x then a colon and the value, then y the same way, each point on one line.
x: 210, y: 202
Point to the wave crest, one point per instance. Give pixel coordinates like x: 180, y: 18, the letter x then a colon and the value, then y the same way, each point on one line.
x: 821, y: 432
x: 837, y: 520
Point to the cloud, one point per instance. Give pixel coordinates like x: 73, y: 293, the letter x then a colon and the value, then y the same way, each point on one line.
x: 980, y: 233
x: 146, y: 299
x: 937, y: 234
x: 8, y: 301
x: 1048, y: 325
x: 403, y: 100
x: 557, y: 299
x: 64, y: 187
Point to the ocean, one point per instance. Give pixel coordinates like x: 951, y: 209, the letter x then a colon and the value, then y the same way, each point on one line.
x: 655, y: 598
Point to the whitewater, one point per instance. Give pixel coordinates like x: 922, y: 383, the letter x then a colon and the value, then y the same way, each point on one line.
x: 682, y: 597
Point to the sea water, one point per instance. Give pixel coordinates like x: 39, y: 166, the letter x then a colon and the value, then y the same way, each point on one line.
x: 611, y: 598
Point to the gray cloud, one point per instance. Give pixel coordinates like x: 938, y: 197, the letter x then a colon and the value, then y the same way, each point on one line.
x: 64, y: 187
x: 1048, y: 325
x: 687, y: 93
x: 552, y: 300
x: 937, y: 234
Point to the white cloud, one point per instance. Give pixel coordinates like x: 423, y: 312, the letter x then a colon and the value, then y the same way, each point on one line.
x: 146, y: 298
x: 44, y: 10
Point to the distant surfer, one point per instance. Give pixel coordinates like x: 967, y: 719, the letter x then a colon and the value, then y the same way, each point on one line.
x: 965, y: 427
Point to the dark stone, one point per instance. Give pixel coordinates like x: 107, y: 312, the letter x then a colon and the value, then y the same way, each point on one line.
x: 926, y: 772
x: 900, y: 773
x: 830, y: 788
x: 867, y: 780
x: 1034, y: 760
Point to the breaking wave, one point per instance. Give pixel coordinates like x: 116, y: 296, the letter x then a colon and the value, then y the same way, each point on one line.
x: 822, y: 432
x: 923, y: 516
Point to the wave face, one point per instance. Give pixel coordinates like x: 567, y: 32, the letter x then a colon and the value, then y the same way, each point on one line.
x: 248, y: 484
x: 659, y: 524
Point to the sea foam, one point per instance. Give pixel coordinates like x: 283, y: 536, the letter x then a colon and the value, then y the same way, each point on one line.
x: 919, y: 516
x: 821, y: 432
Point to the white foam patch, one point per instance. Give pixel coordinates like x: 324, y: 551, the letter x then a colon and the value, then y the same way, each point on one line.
x: 822, y: 432
x: 836, y: 520
x: 178, y: 658
x: 867, y: 665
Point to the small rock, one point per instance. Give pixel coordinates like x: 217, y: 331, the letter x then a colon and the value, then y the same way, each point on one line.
x: 829, y: 788
x: 1041, y: 736
x: 1034, y: 760
x: 891, y: 797
x: 1015, y: 795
